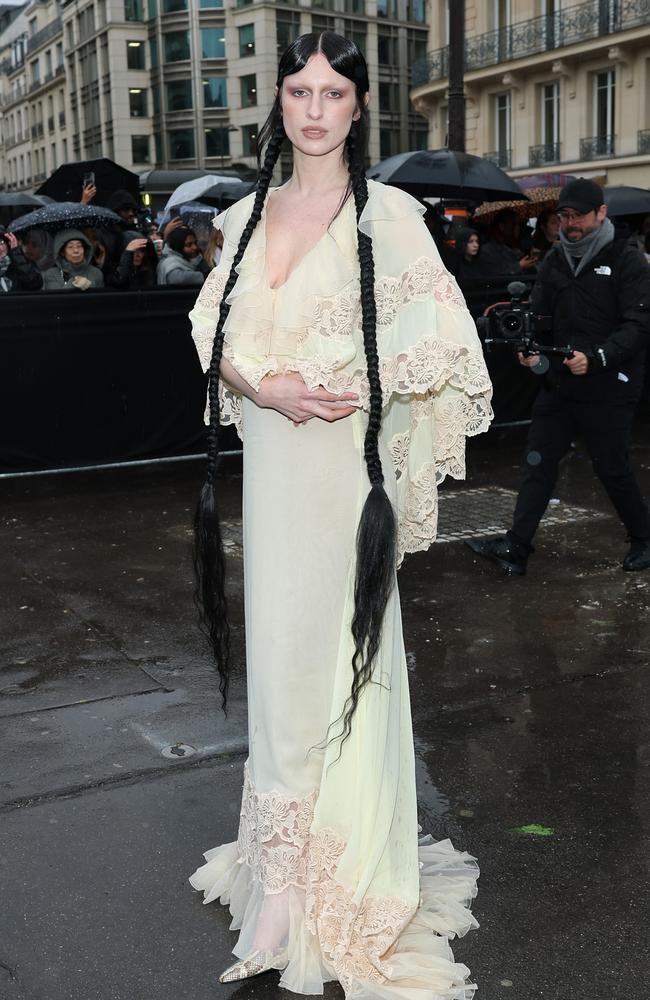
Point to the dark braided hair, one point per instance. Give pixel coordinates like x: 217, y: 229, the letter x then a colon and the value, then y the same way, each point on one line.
x: 376, y: 534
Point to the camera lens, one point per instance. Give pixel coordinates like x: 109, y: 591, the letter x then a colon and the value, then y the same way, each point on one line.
x: 511, y: 323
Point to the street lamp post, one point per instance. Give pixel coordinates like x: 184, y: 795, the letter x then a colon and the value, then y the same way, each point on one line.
x: 456, y: 136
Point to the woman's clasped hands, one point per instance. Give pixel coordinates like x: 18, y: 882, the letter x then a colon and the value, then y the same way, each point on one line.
x: 289, y: 395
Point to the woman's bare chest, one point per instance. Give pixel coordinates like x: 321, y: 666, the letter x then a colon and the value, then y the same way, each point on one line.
x: 292, y: 232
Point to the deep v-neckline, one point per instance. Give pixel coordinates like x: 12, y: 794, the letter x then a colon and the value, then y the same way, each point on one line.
x: 276, y: 288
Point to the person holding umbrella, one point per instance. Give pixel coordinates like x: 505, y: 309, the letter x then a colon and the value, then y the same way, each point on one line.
x: 72, y: 268
x: 17, y: 273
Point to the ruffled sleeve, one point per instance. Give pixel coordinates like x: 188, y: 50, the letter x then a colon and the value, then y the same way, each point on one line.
x: 436, y: 387
x: 205, y: 314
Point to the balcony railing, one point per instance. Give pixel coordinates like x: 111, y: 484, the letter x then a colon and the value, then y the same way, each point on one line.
x: 502, y: 158
x: 596, y: 147
x: 548, y: 152
x: 39, y: 38
x: 643, y: 140
x: 578, y: 23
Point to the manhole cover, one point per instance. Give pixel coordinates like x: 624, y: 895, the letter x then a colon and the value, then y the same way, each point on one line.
x: 178, y: 750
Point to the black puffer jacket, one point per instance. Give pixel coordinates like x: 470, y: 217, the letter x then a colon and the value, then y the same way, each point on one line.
x: 603, y: 312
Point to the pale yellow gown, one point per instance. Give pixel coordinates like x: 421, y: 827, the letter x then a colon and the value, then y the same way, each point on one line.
x: 330, y: 837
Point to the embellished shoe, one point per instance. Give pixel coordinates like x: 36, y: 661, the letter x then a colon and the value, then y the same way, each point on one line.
x: 256, y: 963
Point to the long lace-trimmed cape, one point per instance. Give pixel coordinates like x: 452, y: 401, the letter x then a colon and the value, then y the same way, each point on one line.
x: 436, y: 387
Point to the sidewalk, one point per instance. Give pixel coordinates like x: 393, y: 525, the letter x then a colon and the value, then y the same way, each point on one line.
x: 531, y: 711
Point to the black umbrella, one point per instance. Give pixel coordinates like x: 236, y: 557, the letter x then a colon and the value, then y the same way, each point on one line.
x: 444, y: 173
x: 627, y: 200
x: 65, y: 215
x: 66, y: 183
x: 15, y: 204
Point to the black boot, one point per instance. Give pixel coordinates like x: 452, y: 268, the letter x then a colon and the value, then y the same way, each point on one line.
x: 639, y: 555
x: 504, y: 551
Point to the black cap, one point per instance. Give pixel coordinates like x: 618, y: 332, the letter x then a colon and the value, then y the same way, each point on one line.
x: 582, y: 196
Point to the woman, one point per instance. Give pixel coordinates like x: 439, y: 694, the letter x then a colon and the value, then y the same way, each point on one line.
x: 329, y: 302
x: 547, y: 231
x: 136, y: 268
x: 182, y: 262
x: 467, y: 263
x: 73, y: 253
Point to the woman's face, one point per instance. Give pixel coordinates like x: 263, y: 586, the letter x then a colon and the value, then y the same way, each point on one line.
x: 32, y: 250
x: 472, y: 246
x: 74, y: 252
x: 190, y: 246
x: 552, y: 228
x: 318, y: 107
x: 138, y: 257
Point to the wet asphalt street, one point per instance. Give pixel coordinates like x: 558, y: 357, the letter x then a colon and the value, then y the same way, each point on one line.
x: 531, y: 711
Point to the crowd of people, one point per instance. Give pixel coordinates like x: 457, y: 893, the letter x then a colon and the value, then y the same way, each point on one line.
x: 132, y: 254
x: 509, y: 246
x: 137, y: 254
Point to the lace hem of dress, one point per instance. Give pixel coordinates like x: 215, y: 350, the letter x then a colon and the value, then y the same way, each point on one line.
x: 372, y: 947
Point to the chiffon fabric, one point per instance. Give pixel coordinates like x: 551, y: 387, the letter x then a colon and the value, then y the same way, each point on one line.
x: 329, y: 866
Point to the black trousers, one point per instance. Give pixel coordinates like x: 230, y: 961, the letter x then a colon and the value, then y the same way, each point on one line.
x: 605, y: 431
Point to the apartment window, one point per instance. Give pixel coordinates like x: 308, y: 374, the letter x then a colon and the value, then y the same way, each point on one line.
x: 177, y: 46
x: 355, y: 7
x: 356, y: 32
x: 415, y: 11
x: 502, y: 120
x: 416, y: 46
x: 386, y: 8
x: 155, y: 98
x: 179, y: 95
x: 181, y: 144
x: 140, y: 148
x: 152, y: 8
x: 320, y: 22
x: 388, y: 142
x: 172, y: 6
x: 550, y: 114
x: 48, y: 64
x: 603, y: 102
x: 133, y: 10
x: 247, y: 40
x: 287, y: 28
x: 153, y: 52
x: 135, y: 55
x: 59, y: 55
x: 205, y: 4
x: 137, y: 102
x: 215, y: 92
x: 387, y: 47
x: 418, y: 136
x: 249, y: 139
x: 322, y: 4
x: 248, y: 85
x: 36, y: 72
x: 217, y: 142
x: 388, y: 96
x: 213, y: 43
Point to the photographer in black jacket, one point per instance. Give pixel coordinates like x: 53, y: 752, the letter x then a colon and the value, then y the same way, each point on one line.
x: 597, y: 291
x: 17, y: 273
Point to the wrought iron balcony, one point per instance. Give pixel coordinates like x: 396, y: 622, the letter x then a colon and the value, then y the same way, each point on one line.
x: 39, y: 38
x: 548, y: 152
x: 643, y: 140
x: 502, y: 158
x: 596, y: 147
x: 579, y: 23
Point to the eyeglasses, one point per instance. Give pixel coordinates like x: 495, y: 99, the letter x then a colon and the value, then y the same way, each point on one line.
x: 571, y: 216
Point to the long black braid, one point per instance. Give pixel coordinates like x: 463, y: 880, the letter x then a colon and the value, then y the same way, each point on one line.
x: 376, y: 532
x: 209, y: 559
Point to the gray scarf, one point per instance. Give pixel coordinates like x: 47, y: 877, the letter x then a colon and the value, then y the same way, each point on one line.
x: 580, y: 252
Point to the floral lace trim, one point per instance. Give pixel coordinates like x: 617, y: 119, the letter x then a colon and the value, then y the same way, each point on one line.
x: 353, y: 938
x: 274, y: 835
x: 276, y: 843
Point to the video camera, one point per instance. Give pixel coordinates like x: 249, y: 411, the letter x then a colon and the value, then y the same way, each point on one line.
x: 514, y: 324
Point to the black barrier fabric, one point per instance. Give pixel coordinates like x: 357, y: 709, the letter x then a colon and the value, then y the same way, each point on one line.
x: 91, y: 377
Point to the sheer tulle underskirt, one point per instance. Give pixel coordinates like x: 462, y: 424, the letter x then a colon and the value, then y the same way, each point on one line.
x: 418, y: 966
